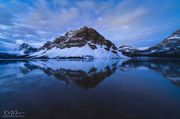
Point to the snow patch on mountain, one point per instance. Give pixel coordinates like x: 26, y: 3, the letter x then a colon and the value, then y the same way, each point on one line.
x: 174, y: 37
x: 84, y: 51
x: 168, y: 48
x: 82, y: 43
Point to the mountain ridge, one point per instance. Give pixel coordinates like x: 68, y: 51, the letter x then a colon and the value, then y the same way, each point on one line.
x: 82, y: 43
x: 168, y: 48
x: 88, y: 43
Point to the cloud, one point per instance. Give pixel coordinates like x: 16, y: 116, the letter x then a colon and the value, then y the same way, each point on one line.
x: 86, y: 5
x: 7, y: 46
x: 123, y: 22
x: 38, y: 23
x: 44, y: 21
x: 2, y: 35
x: 133, y: 24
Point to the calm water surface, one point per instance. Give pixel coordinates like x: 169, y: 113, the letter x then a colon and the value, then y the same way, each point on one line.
x: 91, y: 89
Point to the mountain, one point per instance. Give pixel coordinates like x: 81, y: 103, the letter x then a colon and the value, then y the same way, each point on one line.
x: 6, y: 55
x: 26, y: 49
x: 10, y: 56
x: 170, y: 47
x: 82, y: 43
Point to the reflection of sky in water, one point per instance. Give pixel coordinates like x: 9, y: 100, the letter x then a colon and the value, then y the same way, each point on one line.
x: 104, y: 88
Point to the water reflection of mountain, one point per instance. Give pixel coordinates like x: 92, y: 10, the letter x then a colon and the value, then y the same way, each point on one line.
x: 169, y: 68
x: 84, y: 74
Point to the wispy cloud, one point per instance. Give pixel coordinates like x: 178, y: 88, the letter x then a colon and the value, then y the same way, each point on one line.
x: 123, y: 22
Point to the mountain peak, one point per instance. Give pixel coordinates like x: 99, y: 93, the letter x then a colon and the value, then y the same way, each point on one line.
x: 174, y: 37
x: 26, y: 49
x: 79, y: 43
x: 169, y: 47
x: 24, y: 46
x: 177, y: 32
x: 81, y: 37
x: 85, y: 32
x: 84, y: 27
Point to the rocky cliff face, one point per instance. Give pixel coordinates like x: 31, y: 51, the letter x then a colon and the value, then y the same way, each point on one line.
x: 170, y: 47
x: 84, y: 42
x: 26, y: 49
x: 80, y: 38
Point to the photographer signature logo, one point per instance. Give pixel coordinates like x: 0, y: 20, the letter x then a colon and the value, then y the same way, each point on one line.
x: 12, y: 114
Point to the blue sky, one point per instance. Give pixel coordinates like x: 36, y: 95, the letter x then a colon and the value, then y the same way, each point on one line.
x: 137, y: 23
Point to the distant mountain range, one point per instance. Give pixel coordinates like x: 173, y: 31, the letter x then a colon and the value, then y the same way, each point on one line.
x: 170, y: 48
x: 88, y: 43
x: 82, y: 43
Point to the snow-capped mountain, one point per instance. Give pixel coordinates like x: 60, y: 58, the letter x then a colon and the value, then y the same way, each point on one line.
x: 26, y: 49
x: 170, y: 47
x: 82, y: 43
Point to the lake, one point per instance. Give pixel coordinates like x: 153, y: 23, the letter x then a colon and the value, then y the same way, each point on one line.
x: 90, y: 89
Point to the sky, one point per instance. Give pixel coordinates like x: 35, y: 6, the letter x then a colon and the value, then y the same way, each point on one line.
x: 139, y: 23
